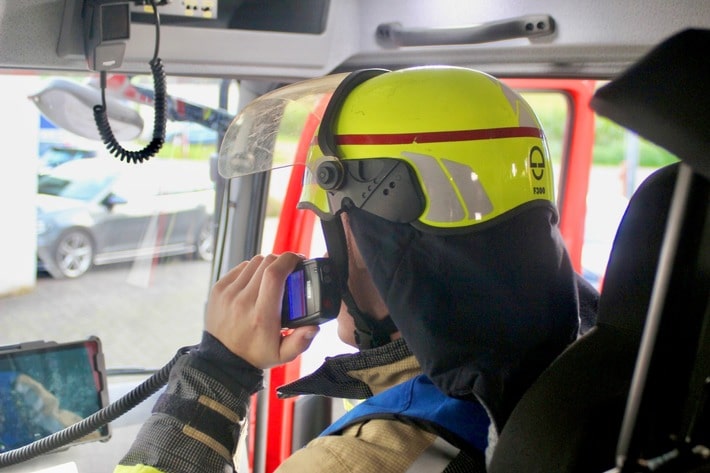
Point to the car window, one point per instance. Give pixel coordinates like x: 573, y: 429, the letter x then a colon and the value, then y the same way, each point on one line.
x: 144, y: 293
x: 621, y: 162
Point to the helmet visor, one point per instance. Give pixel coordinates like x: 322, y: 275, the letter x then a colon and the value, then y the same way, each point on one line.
x: 269, y: 131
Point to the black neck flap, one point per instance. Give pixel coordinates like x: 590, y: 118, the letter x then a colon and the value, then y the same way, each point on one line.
x: 369, y: 332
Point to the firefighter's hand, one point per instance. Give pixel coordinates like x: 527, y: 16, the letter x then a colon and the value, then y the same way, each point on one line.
x: 244, y: 312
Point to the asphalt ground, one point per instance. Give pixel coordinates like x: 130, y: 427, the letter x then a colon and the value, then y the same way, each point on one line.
x: 141, y: 312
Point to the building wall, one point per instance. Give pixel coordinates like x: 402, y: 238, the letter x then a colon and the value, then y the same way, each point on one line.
x: 19, y: 128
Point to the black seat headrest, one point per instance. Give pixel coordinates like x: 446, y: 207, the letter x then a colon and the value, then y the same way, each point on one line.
x: 664, y: 98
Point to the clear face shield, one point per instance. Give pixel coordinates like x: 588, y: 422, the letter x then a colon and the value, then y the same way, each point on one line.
x: 267, y: 132
x: 278, y: 130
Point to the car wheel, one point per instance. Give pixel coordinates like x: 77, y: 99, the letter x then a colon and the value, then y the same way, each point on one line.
x: 73, y: 254
x: 205, y: 241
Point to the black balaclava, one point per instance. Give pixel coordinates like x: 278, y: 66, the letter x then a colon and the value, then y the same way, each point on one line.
x: 483, y: 312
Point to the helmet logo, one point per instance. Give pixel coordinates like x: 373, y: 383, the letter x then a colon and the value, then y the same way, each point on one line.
x: 537, y: 163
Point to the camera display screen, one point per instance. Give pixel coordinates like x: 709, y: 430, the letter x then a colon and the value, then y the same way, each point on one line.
x: 311, y: 294
x: 296, y: 294
x: 45, y: 390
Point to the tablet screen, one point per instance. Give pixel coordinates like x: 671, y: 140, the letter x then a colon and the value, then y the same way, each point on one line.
x: 47, y: 387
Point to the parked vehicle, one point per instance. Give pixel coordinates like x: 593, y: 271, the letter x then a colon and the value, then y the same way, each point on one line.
x: 56, y: 155
x: 100, y: 211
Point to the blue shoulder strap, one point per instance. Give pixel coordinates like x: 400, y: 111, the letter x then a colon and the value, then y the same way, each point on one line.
x: 420, y: 400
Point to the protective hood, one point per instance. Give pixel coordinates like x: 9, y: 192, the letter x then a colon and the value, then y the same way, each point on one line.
x: 483, y: 312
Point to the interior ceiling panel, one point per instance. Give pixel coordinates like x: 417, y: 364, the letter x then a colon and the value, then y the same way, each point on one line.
x: 283, y: 40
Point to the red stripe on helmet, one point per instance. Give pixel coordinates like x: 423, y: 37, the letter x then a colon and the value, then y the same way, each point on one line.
x: 439, y: 136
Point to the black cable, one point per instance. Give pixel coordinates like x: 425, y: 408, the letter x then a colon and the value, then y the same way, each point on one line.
x: 159, y: 104
x: 95, y: 421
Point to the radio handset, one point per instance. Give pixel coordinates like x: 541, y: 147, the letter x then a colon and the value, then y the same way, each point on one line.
x: 106, y: 30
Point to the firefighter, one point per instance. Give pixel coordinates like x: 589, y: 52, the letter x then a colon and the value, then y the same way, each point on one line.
x: 435, y: 191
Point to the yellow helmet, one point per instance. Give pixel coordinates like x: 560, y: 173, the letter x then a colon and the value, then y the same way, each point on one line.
x: 444, y: 148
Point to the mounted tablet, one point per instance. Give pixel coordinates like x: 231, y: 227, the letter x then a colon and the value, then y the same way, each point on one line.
x: 46, y: 387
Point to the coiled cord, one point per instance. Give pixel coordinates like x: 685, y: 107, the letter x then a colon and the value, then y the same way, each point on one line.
x: 159, y: 104
x: 95, y: 421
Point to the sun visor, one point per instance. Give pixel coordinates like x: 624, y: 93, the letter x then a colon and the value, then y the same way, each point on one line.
x: 664, y: 97
x: 266, y: 133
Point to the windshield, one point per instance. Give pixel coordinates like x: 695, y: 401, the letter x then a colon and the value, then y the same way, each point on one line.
x: 134, y: 272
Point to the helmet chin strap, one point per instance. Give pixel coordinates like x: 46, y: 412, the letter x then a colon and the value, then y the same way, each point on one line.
x: 369, y: 331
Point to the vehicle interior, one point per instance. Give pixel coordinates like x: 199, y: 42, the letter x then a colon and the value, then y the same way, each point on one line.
x: 619, y: 86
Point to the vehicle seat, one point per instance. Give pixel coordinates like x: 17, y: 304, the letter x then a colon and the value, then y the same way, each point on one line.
x: 571, y: 419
